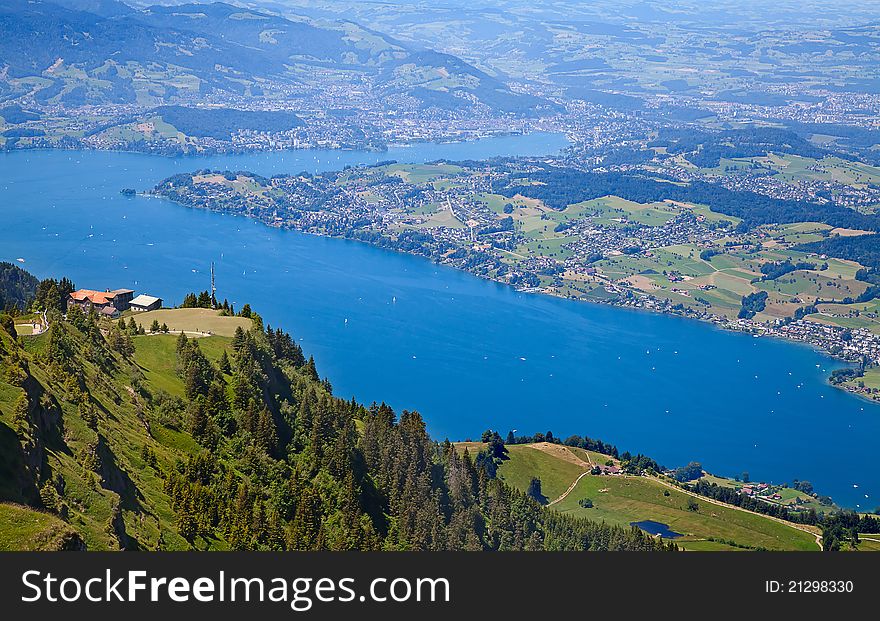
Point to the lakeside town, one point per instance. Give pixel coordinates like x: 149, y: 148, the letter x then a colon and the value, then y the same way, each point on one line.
x: 667, y: 256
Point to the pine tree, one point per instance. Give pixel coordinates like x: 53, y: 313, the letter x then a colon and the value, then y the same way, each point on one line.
x: 238, y: 340
x: 311, y: 369
x: 20, y: 417
x: 534, y: 492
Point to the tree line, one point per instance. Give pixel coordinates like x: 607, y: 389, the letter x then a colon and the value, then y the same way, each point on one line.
x: 313, y: 481
x: 561, y: 187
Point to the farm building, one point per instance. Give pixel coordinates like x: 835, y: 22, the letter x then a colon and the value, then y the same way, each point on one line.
x: 144, y: 303
x: 109, y: 303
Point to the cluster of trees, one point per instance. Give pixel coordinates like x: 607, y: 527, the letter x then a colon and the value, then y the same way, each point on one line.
x: 636, y: 464
x: 802, y: 486
x: 219, y: 123
x: 632, y: 464
x: 17, y: 287
x: 52, y: 295
x: 730, y: 496
x: 692, y: 471
x: 861, y: 248
x: 15, y: 114
x: 844, y: 527
x: 309, y: 480
x: 558, y: 188
x: 583, y: 442
x: 752, y: 304
x: 773, y: 270
x: 706, y: 149
x: 119, y: 338
x: 155, y: 327
x: 203, y: 299
x: 803, y: 311
x: 839, y: 376
x: 488, y: 459
x: 534, y: 491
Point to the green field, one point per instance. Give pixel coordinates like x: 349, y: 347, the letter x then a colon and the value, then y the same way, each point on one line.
x: 193, y: 320
x: 869, y: 543
x: 556, y: 474
x: 621, y: 500
x: 23, y: 528
x: 557, y: 466
x: 154, y: 354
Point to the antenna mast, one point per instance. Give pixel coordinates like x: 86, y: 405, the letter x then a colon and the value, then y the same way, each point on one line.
x: 213, y: 288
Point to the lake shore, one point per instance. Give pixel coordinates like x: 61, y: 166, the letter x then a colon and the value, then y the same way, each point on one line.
x: 804, y: 333
x: 674, y: 389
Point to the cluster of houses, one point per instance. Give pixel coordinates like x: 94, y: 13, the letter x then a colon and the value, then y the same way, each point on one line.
x: 761, y: 490
x: 112, y: 303
x: 606, y: 469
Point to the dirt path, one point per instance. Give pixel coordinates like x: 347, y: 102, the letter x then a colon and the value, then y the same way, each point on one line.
x: 562, y: 452
x: 569, y: 490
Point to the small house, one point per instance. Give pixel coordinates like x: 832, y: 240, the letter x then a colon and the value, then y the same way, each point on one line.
x: 110, y: 312
x: 143, y: 303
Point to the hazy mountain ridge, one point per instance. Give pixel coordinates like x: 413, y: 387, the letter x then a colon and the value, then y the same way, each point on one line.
x: 75, y: 53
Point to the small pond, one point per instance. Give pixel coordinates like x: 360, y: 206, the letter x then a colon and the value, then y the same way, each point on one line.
x: 657, y: 528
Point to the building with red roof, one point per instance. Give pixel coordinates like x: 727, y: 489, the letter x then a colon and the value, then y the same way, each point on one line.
x: 108, y: 303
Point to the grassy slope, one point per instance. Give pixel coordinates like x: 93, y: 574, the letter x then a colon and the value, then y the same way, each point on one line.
x: 193, y: 320
x: 526, y: 462
x: 156, y: 358
x: 632, y: 499
x: 24, y: 528
x: 90, y: 503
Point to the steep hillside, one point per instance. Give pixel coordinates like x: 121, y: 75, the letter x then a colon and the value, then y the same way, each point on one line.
x: 17, y: 287
x: 24, y: 528
x: 136, y: 438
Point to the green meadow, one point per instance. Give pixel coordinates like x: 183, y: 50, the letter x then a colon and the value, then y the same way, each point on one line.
x: 625, y: 499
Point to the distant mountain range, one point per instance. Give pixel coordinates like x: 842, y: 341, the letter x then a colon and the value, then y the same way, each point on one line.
x: 75, y: 52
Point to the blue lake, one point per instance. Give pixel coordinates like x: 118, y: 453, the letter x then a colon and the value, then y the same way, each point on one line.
x: 467, y: 353
x: 657, y: 528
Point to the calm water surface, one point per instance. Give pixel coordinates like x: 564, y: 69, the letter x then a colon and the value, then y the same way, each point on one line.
x: 467, y: 353
x: 657, y: 528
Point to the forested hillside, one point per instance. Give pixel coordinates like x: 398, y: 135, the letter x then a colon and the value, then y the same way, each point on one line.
x: 140, y: 439
x: 17, y: 287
